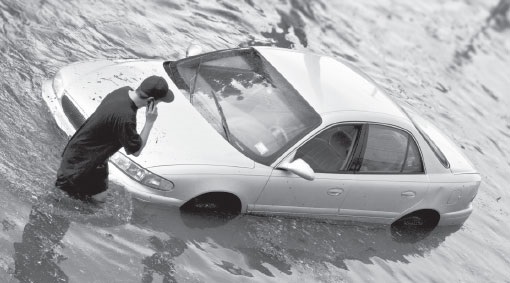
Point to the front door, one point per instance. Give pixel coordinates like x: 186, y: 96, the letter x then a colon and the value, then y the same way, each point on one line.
x: 329, y: 154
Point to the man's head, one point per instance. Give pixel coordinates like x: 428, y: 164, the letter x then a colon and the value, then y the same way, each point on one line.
x: 155, y: 87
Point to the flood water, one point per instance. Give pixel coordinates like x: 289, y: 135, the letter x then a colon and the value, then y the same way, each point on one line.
x: 448, y: 60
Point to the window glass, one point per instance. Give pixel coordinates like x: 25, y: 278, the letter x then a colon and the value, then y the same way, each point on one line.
x: 385, y: 150
x: 413, y: 162
x: 329, y: 151
x: 247, y: 101
x: 389, y: 150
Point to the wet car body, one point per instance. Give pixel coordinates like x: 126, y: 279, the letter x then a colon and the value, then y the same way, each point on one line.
x: 395, y: 167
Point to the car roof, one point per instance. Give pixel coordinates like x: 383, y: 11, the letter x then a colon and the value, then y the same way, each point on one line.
x: 330, y: 85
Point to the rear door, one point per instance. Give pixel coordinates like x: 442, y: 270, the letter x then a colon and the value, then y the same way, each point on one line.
x: 389, y: 175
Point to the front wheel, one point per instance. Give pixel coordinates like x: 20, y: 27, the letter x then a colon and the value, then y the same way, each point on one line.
x: 210, y: 210
x: 214, y: 203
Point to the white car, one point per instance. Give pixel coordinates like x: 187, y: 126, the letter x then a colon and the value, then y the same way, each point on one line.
x: 274, y: 131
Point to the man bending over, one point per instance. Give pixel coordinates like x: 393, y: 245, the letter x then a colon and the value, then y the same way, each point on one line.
x: 83, y: 172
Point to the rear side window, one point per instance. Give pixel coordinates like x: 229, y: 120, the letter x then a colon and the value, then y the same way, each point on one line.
x: 413, y: 162
x: 390, y: 150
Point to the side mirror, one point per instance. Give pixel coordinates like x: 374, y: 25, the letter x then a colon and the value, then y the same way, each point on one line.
x: 300, y: 168
x: 193, y: 49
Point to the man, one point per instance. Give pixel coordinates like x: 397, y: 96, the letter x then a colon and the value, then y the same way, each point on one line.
x: 83, y: 172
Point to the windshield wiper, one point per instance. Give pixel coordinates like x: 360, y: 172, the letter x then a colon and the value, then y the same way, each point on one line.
x: 192, y: 90
x: 223, y: 119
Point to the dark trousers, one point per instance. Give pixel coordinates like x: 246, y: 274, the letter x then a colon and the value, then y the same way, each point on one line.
x: 87, y: 185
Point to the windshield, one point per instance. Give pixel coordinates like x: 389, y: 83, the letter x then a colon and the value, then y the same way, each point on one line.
x: 246, y: 100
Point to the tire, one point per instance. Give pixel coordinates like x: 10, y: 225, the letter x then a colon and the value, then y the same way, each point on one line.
x: 415, y: 226
x: 214, y: 203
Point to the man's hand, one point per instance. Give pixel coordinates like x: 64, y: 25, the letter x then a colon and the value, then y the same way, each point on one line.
x: 151, y: 113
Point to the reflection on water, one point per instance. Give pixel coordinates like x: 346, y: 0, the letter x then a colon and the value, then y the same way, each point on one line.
x: 161, y: 262
x: 279, y: 242
x: 36, y: 257
x: 266, y: 244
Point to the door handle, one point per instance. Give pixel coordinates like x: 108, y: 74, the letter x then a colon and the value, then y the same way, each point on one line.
x: 335, y: 191
x: 408, y: 194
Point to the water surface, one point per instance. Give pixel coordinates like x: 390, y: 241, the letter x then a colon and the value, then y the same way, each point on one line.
x: 448, y: 60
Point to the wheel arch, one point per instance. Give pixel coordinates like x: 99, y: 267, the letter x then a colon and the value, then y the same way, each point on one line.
x: 431, y: 216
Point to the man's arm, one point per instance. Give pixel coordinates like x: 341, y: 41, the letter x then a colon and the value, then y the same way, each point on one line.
x: 150, y: 117
x: 144, y: 135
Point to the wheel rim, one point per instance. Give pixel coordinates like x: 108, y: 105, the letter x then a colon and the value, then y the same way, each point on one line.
x: 414, y: 221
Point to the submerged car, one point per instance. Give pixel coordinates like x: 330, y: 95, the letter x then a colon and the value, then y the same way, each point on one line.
x: 275, y: 131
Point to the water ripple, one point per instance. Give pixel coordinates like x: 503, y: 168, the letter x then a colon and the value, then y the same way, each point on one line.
x: 447, y: 60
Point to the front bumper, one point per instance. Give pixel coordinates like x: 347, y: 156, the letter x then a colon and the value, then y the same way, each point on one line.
x: 456, y: 217
x: 137, y: 190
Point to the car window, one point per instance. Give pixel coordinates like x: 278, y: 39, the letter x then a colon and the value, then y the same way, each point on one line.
x: 413, y: 162
x: 390, y: 150
x: 329, y: 151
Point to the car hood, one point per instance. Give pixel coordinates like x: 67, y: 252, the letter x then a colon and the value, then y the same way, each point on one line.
x: 180, y: 134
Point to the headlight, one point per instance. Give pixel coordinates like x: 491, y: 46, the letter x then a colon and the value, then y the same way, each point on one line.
x: 58, y: 84
x: 140, y: 174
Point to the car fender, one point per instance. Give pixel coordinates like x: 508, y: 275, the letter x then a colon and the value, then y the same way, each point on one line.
x: 422, y: 204
x: 245, y: 183
x: 448, y: 193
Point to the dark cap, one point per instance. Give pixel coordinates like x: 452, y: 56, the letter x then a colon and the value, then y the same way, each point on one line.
x: 156, y: 87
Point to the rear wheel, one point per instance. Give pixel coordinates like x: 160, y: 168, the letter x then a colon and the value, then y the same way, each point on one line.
x: 415, y: 226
